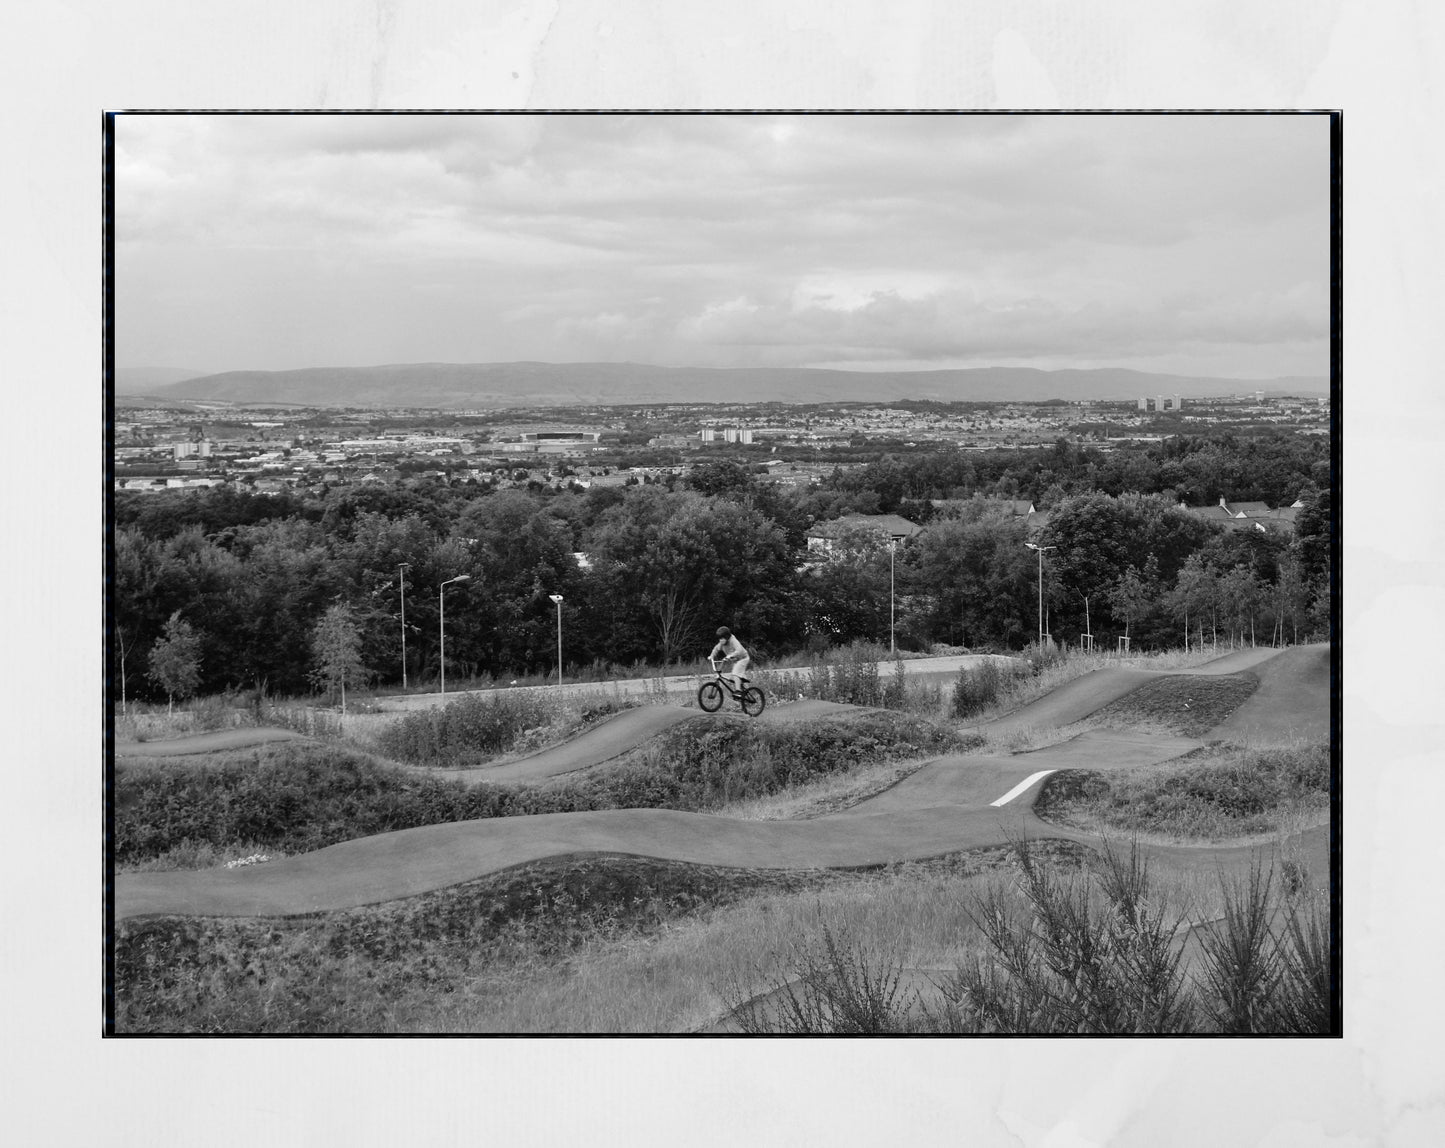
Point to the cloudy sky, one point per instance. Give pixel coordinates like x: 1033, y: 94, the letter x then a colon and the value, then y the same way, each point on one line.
x: 1196, y: 244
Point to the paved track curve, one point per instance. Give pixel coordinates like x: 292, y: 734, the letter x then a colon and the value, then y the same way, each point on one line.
x: 945, y: 807
x: 1076, y: 700
x: 1292, y: 701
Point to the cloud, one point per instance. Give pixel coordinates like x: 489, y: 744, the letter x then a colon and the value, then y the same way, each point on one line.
x: 723, y: 239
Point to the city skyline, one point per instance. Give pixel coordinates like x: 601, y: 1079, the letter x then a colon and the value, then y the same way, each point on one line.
x: 1176, y: 243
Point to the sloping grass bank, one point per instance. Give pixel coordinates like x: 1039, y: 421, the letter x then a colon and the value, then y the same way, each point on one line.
x: 1212, y: 794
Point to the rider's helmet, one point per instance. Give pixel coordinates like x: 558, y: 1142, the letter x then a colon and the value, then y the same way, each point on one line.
x: 724, y: 632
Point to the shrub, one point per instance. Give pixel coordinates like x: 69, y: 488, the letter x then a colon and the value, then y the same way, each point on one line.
x: 831, y: 985
x: 852, y: 679
x: 980, y: 687
x: 1045, y: 658
x: 1080, y: 956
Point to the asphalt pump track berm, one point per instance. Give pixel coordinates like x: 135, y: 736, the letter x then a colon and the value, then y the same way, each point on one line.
x: 953, y: 803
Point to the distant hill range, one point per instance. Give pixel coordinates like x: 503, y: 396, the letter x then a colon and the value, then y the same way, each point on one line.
x: 479, y: 385
x: 139, y: 380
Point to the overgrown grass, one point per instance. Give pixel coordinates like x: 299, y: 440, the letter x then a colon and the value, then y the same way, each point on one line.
x: 854, y: 675
x: 143, y: 722
x: 1213, y: 794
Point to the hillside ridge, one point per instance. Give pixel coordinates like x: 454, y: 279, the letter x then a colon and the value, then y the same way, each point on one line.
x: 533, y: 383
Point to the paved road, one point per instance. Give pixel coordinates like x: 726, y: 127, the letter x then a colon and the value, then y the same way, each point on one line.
x: 951, y: 805
x: 681, y: 683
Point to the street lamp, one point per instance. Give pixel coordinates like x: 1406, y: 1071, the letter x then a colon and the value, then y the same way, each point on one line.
x: 558, y: 599
x: 402, y: 568
x: 442, y: 601
x: 892, y: 643
x: 1041, y: 550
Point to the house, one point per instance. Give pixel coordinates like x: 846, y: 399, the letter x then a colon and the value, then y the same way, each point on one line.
x: 1248, y: 515
x: 1018, y: 507
x: 887, y: 527
x: 1218, y: 513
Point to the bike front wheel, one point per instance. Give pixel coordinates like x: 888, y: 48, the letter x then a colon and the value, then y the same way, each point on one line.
x: 710, y: 697
x: 753, y: 701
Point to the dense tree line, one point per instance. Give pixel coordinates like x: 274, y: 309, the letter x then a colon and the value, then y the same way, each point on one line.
x: 265, y: 585
x: 1275, y: 468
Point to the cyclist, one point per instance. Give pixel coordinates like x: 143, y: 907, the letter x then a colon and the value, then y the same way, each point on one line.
x: 729, y: 649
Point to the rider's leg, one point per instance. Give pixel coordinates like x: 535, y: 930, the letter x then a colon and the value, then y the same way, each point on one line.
x: 737, y: 671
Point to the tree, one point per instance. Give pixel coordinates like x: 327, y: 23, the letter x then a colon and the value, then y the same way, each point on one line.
x: 972, y: 580
x: 849, y: 590
x: 1196, y: 590
x: 175, y: 660
x: 1099, y: 536
x: 1134, y: 593
x: 1240, y: 595
x: 336, y: 649
x: 662, y: 558
x: 123, y: 649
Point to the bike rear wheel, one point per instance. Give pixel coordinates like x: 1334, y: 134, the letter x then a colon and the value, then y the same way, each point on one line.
x: 753, y: 701
x: 710, y: 697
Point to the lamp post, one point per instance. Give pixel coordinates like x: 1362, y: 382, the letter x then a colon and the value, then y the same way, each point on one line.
x: 442, y: 602
x: 1041, y: 550
x: 892, y: 643
x: 558, y: 599
x: 402, y: 568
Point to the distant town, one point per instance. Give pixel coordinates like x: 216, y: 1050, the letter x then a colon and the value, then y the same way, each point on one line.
x: 268, y: 449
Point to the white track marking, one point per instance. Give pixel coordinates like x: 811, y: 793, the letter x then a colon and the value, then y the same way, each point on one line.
x: 1022, y: 786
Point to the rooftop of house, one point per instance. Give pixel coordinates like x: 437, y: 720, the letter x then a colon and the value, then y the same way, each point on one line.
x: 894, y: 525
x: 1012, y: 505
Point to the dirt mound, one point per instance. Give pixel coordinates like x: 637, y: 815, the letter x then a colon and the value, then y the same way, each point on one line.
x: 626, y: 731
x: 1187, y: 704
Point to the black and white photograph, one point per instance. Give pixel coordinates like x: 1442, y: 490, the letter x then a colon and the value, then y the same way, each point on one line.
x: 723, y: 574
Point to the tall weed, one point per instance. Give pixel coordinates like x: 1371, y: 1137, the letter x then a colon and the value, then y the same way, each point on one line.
x: 469, y: 730
x: 1085, y: 955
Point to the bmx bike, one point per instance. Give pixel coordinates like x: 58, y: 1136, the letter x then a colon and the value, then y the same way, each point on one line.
x: 710, y: 694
